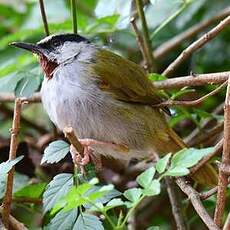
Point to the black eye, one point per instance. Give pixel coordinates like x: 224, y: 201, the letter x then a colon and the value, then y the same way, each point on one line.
x: 56, y: 43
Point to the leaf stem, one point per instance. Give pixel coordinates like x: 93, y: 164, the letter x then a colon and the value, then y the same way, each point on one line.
x: 101, y: 210
x: 130, y: 212
x: 169, y: 19
x: 147, y: 43
x: 74, y: 15
x: 44, y: 18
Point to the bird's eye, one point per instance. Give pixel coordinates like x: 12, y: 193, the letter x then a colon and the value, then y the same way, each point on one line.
x: 56, y: 43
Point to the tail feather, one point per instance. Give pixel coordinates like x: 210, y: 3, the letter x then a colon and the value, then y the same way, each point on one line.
x: 206, y: 175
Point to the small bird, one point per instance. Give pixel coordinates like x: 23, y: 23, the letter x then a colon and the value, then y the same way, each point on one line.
x: 106, y: 99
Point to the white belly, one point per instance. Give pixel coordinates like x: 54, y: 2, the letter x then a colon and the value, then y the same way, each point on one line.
x: 70, y: 99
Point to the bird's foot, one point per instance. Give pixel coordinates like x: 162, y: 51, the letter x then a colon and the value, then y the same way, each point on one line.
x: 88, y: 152
x: 77, y: 158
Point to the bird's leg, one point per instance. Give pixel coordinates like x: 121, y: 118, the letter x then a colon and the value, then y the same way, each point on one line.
x: 88, y: 152
x: 117, y: 147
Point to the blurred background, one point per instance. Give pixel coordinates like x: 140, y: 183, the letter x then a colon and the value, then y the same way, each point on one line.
x: 106, y: 23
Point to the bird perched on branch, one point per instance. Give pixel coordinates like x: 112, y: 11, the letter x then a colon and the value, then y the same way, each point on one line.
x: 107, y: 99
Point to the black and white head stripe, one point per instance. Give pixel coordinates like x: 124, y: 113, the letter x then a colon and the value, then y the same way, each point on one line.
x: 58, y: 39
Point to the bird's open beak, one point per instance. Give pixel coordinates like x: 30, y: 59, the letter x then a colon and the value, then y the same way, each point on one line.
x: 28, y: 46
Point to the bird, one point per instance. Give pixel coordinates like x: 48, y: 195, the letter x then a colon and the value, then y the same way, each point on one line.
x: 107, y: 100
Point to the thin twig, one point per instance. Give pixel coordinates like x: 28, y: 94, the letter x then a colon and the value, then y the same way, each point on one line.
x: 44, y: 19
x: 71, y: 136
x: 175, y: 204
x: 171, y: 44
x: 194, y: 197
x: 191, y: 103
x: 151, y: 64
x: 217, y: 150
x: 140, y: 41
x: 196, y: 45
x: 12, y: 155
x: 197, y: 80
x: 207, y: 194
x: 14, y: 223
x: 36, y: 201
x: 10, y: 97
x: 223, y: 178
x: 74, y: 15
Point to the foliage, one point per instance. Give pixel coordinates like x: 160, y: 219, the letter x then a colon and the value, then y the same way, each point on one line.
x: 67, y: 200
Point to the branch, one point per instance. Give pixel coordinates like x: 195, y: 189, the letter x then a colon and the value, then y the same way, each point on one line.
x: 70, y: 135
x: 44, y: 19
x: 175, y: 204
x: 197, y: 80
x: 196, y: 45
x: 223, y: 178
x: 10, y: 97
x: 190, y: 103
x: 7, y: 200
x: 14, y: 223
x: 194, y: 197
x: 147, y: 43
x: 74, y: 15
x: 206, y: 195
x: 140, y: 41
x: 171, y: 44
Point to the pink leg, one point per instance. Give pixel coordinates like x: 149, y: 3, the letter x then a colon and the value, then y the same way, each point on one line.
x: 79, y: 160
x: 118, y: 147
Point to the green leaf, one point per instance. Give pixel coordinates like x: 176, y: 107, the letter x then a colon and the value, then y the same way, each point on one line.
x: 156, y: 77
x: 107, y: 195
x: 5, y: 167
x: 85, y: 194
x: 153, y: 228
x: 94, y: 181
x: 106, y: 188
x: 115, y: 7
x: 56, y: 151
x: 114, y: 203
x: 177, y: 171
x: 133, y: 194
x: 19, y: 182
x: 31, y: 191
x: 57, y: 189
x: 153, y: 189
x: 88, y: 222
x: 162, y: 163
x: 27, y: 85
x: 181, y: 92
x: 189, y: 157
x: 145, y: 178
x: 63, y: 220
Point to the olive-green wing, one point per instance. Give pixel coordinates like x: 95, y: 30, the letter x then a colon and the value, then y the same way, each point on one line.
x: 125, y: 80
